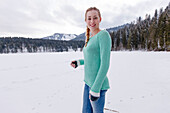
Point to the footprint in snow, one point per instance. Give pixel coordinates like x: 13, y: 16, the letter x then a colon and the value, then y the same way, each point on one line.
x: 49, y: 105
x: 33, y: 108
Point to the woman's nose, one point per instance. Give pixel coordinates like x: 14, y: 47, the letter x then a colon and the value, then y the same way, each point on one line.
x: 92, y: 20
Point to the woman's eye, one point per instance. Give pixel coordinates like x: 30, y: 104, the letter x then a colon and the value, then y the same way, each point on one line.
x: 93, y: 18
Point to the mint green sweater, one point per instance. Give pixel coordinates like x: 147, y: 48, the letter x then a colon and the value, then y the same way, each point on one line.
x: 96, y: 61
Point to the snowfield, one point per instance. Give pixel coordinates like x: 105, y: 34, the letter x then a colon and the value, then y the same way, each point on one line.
x: 46, y: 83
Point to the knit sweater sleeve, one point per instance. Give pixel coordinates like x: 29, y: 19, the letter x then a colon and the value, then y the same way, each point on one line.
x: 105, y: 48
x: 81, y: 62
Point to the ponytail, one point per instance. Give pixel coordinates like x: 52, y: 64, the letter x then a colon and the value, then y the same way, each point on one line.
x: 87, y: 36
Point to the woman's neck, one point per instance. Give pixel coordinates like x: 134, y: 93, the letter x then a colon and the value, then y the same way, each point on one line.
x: 94, y: 32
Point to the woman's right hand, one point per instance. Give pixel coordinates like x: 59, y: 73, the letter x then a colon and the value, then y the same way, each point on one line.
x: 74, y: 64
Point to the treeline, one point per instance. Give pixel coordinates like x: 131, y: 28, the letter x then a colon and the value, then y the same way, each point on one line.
x: 20, y: 44
x: 150, y: 34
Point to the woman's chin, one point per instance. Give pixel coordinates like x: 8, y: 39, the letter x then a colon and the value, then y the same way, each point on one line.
x: 92, y: 28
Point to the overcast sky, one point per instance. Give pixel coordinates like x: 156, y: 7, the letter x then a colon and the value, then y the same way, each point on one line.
x: 40, y: 18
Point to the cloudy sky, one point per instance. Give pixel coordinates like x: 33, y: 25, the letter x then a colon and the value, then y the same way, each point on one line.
x: 40, y: 18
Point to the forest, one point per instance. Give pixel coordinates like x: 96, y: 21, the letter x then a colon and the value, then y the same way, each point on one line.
x: 150, y: 34
x: 21, y: 45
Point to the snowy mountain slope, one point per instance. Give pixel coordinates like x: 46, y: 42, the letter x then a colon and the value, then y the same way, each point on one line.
x: 74, y: 37
x: 29, y: 83
x: 59, y: 36
x: 83, y: 36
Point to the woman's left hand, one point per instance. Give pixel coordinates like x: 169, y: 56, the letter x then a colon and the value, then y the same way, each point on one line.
x: 93, y: 98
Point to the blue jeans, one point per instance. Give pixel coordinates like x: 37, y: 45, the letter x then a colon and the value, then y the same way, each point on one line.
x: 93, y: 106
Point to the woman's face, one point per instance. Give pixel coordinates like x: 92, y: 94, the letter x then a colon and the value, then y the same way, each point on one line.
x: 92, y: 20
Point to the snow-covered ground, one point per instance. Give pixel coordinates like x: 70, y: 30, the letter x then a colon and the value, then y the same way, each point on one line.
x: 46, y: 83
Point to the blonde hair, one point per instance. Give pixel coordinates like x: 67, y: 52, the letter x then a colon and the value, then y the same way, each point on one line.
x: 88, y: 30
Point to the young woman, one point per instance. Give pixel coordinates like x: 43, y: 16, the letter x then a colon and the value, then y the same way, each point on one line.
x: 96, y: 63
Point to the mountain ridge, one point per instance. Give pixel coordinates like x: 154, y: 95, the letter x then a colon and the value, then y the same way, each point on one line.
x: 80, y: 37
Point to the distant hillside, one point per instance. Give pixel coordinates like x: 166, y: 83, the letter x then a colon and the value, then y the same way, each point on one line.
x: 60, y: 36
x: 110, y: 30
x: 81, y: 37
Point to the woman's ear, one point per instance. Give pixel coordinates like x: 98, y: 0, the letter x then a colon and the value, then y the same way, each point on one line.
x: 85, y: 20
x: 100, y: 19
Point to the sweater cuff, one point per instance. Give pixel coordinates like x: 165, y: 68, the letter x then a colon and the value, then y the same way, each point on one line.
x: 94, y: 94
x: 78, y: 62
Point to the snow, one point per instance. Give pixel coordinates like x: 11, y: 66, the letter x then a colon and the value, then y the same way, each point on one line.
x: 46, y: 83
x: 60, y: 36
x: 68, y: 37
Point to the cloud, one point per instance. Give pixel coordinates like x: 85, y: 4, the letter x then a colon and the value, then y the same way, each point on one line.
x: 21, y: 17
x: 70, y: 14
x: 127, y: 13
x: 39, y: 18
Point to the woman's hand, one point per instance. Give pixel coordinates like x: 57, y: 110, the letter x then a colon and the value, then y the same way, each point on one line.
x: 74, y: 64
x: 93, y: 98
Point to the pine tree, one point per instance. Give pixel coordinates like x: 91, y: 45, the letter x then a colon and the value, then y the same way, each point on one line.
x: 152, y: 34
x: 129, y: 46
x: 124, y: 38
x: 118, y: 40
x: 113, y: 39
x: 161, y: 30
x: 167, y: 28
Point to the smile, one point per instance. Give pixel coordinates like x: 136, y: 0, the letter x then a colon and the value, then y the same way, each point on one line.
x: 93, y: 25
